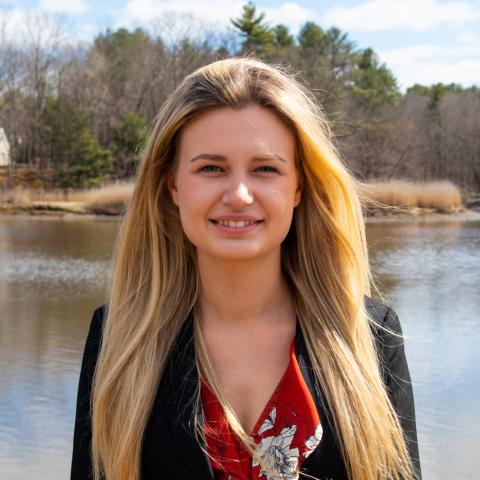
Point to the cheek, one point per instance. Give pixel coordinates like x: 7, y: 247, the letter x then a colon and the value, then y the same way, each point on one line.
x: 194, y: 203
x: 282, y: 200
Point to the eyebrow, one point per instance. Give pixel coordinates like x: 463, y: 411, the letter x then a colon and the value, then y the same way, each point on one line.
x: 221, y: 158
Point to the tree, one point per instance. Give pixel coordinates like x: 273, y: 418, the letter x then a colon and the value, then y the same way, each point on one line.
x: 374, y: 85
x: 129, y: 138
x: 60, y: 128
x: 326, y: 59
x: 312, y: 37
x: 282, y: 36
x: 258, y: 36
x: 70, y: 147
x: 436, y: 92
x: 92, y: 166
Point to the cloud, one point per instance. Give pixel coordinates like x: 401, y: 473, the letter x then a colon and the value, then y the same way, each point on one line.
x: 12, y: 23
x: 290, y: 14
x: 217, y: 12
x: 418, y: 15
x: 70, y: 7
x: 143, y: 11
x: 26, y: 27
x: 428, y: 64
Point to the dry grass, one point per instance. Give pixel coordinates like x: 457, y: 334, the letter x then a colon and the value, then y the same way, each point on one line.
x: 440, y: 196
x: 117, y: 193
x: 380, y: 197
x: 111, y: 194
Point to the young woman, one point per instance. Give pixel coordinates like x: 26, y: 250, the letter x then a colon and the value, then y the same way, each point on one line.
x: 239, y: 340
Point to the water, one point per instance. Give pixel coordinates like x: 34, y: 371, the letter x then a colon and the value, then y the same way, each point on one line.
x: 432, y: 276
x: 52, y: 276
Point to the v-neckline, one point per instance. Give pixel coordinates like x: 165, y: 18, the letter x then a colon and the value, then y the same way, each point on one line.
x: 273, y: 397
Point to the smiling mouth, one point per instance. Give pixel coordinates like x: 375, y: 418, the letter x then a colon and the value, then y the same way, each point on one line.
x: 236, y: 223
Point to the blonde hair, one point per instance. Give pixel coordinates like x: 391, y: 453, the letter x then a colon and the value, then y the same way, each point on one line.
x: 155, y: 284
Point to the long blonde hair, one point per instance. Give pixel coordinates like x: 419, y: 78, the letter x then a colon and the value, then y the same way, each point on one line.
x: 155, y: 284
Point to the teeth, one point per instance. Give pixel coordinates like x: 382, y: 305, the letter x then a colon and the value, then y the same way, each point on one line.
x: 233, y: 224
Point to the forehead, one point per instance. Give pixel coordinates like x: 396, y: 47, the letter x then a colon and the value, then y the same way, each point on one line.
x: 250, y: 130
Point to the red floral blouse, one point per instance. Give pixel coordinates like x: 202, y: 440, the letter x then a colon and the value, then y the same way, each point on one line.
x: 287, y: 431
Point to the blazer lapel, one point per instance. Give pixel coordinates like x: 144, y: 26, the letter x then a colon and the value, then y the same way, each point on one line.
x: 326, y: 456
x: 181, y: 381
x: 181, y: 385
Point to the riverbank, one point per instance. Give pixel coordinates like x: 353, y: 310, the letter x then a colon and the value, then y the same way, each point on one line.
x: 392, y: 201
x: 79, y: 210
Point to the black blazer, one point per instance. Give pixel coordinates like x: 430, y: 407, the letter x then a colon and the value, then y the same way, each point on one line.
x: 170, y: 450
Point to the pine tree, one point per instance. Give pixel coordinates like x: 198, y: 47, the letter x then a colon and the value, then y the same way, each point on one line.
x: 258, y: 36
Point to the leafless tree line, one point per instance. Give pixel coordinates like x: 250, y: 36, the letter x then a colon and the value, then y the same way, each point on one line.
x: 60, y: 101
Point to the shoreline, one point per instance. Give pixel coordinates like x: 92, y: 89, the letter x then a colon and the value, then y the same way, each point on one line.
x: 467, y: 215
x: 80, y: 211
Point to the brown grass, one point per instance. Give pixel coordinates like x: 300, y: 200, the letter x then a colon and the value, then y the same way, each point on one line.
x: 381, y: 196
x: 440, y: 196
x: 110, y: 194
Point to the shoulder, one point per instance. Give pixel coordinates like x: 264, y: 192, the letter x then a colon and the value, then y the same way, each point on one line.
x: 393, y: 364
x: 387, y: 333
x: 96, y: 324
x: 94, y: 338
x: 98, y: 316
x: 384, y: 320
x: 389, y: 342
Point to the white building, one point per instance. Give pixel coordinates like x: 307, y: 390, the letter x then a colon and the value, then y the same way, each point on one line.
x: 4, y: 149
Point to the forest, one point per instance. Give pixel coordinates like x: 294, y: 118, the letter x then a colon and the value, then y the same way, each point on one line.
x: 78, y: 113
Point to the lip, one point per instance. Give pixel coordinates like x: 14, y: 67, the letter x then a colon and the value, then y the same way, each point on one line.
x: 236, y: 218
x: 235, y: 230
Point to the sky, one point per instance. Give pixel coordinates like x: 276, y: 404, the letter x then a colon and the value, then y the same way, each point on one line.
x: 420, y: 41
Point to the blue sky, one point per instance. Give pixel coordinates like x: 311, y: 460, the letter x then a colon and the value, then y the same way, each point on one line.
x: 421, y: 41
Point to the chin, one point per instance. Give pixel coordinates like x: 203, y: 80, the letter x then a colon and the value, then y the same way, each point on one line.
x: 238, y: 256
x: 234, y: 254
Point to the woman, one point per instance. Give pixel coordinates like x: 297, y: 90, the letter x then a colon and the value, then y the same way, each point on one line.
x: 239, y: 339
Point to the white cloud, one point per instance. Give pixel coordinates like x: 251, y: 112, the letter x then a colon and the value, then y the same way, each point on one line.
x: 24, y: 27
x: 419, y: 15
x: 212, y: 12
x: 466, y: 37
x: 70, y: 7
x: 12, y: 23
x: 290, y: 14
x: 428, y: 64
x: 172, y: 19
x: 145, y: 11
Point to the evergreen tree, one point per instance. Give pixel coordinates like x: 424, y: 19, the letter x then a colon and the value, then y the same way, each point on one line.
x: 374, y: 85
x: 282, y: 36
x: 312, y: 37
x: 72, y: 149
x: 258, y: 36
x: 129, y: 138
x: 92, y: 167
x: 436, y: 91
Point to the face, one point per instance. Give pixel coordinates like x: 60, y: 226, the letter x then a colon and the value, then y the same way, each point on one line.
x: 236, y: 183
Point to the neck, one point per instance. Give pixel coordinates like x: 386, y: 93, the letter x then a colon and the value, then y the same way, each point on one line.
x: 243, y: 293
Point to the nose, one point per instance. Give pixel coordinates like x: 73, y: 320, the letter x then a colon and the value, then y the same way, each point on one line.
x: 238, y: 195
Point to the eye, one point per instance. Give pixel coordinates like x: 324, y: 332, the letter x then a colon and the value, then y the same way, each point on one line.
x: 267, y: 169
x: 210, y: 169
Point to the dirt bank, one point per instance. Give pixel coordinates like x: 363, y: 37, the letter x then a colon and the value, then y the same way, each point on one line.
x: 82, y: 210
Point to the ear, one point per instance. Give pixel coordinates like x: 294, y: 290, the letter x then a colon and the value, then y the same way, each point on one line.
x: 173, y: 189
x: 297, y: 197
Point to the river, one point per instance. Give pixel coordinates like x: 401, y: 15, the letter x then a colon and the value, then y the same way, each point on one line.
x: 53, y: 274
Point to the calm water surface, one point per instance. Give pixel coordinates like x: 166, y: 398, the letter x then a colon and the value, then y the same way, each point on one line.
x: 52, y: 276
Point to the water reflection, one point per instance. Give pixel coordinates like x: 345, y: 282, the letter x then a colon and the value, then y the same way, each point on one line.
x: 431, y: 274
x: 52, y: 276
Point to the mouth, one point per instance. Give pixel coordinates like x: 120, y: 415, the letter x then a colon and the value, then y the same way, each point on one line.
x: 232, y: 226
x: 235, y: 223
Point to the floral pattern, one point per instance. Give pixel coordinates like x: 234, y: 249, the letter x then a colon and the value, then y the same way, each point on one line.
x: 276, y: 451
x: 286, y: 433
